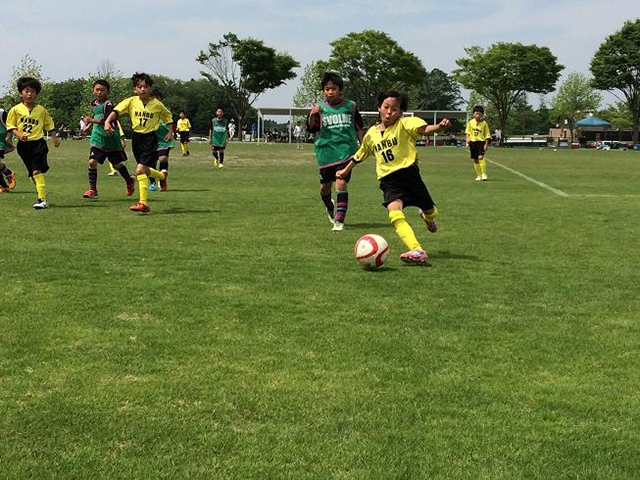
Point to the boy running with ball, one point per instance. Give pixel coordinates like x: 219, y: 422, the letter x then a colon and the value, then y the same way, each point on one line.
x: 393, y: 143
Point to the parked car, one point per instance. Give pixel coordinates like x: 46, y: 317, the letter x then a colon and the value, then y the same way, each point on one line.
x: 610, y: 145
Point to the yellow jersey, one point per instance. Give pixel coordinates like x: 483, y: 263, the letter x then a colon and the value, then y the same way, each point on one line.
x: 477, y: 131
x: 144, y: 118
x: 183, y: 125
x: 32, y: 123
x: 394, y: 148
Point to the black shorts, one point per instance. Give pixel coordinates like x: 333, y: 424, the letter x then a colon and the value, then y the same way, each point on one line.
x: 34, y: 155
x: 184, y: 137
x: 145, y: 148
x: 328, y: 174
x: 114, y: 156
x: 476, y: 149
x: 163, y: 152
x: 407, y: 185
x: 217, y: 148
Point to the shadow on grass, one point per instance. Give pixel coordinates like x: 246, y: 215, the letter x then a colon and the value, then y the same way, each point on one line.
x: 367, y: 225
x: 447, y: 255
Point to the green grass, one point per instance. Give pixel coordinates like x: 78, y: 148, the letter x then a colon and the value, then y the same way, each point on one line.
x: 230, y: 333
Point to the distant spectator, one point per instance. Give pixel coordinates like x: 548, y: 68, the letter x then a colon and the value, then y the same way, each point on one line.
x: 232, y: 129
x: 298, y: 134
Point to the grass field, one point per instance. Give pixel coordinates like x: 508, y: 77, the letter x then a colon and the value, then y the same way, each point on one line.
x: 230, y: 333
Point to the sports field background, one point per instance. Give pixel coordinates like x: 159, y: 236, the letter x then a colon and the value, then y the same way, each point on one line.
x: 230, y: 333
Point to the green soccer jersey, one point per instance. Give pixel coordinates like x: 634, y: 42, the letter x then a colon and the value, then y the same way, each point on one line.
x: 161, y: 132
x: 3, y: 130
x: 99, y: 138
x: 337, y: 138
x: 219, y: 133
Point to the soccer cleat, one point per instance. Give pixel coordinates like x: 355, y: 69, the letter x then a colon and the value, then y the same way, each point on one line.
x: 338, y: 227
x: 152, y: 187
x: 215, y: 162
x: 220, y: 165
x: 131, y: 186
x: 90, y: 194
x: 11, y: 181
x: 483, y: 177
x: 415, y: 257
x: 40, y: 205
x: 4, y: 189
x: 432, y: 226
x: 140, y: 207
x: 112, y: 174
x: 478, y: 178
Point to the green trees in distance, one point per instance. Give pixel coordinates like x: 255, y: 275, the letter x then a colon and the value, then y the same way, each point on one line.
x: 616, y: 68
x: 371, y: 61
x: 244, y: 69
x: 576, y: 98
x: 504, y: 72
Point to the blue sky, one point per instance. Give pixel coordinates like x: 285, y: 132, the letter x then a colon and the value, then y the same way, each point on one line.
x: 70, y: 39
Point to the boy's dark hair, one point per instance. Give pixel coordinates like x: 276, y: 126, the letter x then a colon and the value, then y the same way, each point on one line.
x: 141, y: 77
x: 404, y: 101
x: 104, y: 83
x: 157, y: 93
x: 31, y: 82
x: 478, y: 108
x: 332, y: 77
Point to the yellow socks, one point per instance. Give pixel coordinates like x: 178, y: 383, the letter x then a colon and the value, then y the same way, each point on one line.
x: 430, y: 217
x: 153, y: 173
x: 143, y: 188
x: 41, y: 186
x: 483, y: 167
x: 476, y: 169
x: 404, y: 230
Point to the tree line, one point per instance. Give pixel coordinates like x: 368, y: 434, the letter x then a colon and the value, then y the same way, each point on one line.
x: 502, y: 76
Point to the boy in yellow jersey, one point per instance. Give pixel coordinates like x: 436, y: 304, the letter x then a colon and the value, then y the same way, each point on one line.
x: 183, y: 126
x: 145, y: 112
x: 393, y: 143
x: 478, y: 138
x: 28, y: 121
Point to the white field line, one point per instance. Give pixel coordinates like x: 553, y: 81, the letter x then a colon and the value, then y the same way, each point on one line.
x: 555, y: 190
x: 529, y: 179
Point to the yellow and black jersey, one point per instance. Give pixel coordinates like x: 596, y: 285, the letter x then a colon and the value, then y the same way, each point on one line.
x: 183, y: 125
x: 144, y: 118
x: 32, y: 123
x: 394, y: 148
x: 477, y: 131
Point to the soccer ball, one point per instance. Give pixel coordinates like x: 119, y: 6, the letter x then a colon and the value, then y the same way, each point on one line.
x: 371, y: 250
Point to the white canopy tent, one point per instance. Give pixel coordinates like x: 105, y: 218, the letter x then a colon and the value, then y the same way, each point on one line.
x: 431, y: 116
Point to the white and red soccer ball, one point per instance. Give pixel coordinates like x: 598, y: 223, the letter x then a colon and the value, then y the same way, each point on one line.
x: 371, y: 250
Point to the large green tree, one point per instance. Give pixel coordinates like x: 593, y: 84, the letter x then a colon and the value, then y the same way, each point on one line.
x: 439, y: 91
x: 616, y: 68
x: 309, y: 91
x: 28, y: 67
x: 575, y: 98
x: 371, y: 61
x: 244, y: 69
x: 506, y: 71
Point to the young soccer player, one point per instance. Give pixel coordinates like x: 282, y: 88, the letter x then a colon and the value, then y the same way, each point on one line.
x: 183, y: 126
x: 164, y: 147
x: 5, y: 147
x: 146, y: 113
x: 478, y: 138
x: 393, y: 142
x: 338, y: 128
x: 28, y: 121
x: 104, y: 146
x: 218, y: 137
